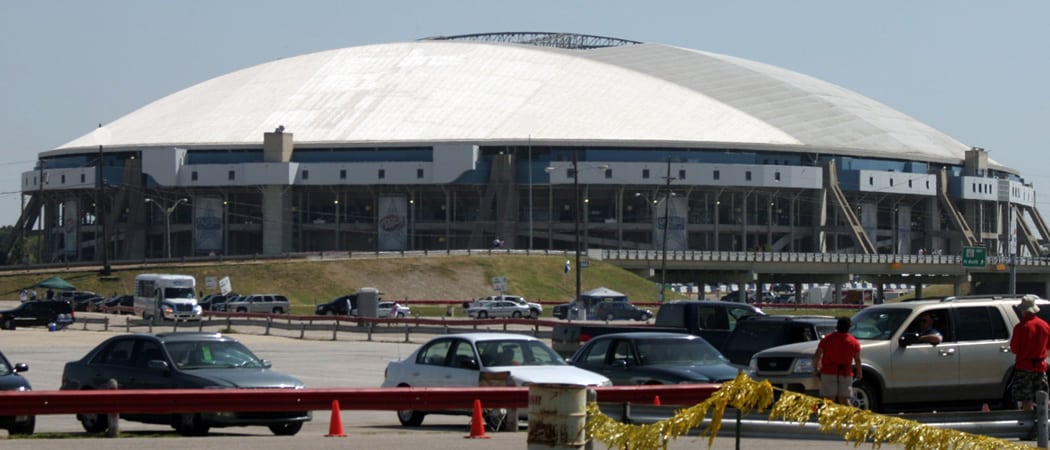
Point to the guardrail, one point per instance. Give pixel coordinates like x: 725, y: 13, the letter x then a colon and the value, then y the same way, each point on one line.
x: 628, y: 404
x: 370, y: 399
x: 335, y: 325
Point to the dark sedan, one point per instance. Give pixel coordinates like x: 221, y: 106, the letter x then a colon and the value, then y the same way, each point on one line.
x: 182, y: 361
x: 654, y: 358
x: 10, y: 380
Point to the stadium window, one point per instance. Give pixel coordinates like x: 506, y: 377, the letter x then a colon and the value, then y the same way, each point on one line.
x: 231, y: 175
x: 382, y: 174
x: 909, y: 183
x: 645, y: 174
x: 82, y: 178
x: 927, y: 184
x: 871, y: 181
x: 306, y: 174
x: 342, y: 174
x: 681, y: 174
x: 608, y: 173
x: 891, y: 182
x: 716, y: 175
x: 63, y: 180
x: 776, y: 176
x: 747, y: 176
x: 193, y: 175
x: 419, y: 173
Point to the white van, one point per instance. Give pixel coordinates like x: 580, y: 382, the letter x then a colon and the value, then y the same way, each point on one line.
x: 166, y: 296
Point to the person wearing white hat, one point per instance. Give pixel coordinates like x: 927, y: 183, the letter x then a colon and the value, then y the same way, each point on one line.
x: 1030, y: 341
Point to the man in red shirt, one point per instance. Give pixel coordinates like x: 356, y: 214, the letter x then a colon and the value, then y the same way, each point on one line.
x: 1029, y: 343
x: 834, y: 362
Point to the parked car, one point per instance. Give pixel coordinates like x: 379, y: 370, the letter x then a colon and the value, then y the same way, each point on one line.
x: 622, y: 311
x: 210, y: 302
x: 970, y: 366
x: 344, y: 305
x: 497, y: 308
x: 259, y: 303
x: 37, y: 313
x: 384, y: 309
x: 121, y: 301
x: 182, y: 361
x: 463, y: 360
x: 535, y: 309
x: 758, y: 333
x: 221, y: 306
x: 565, y: 310
x: 654, y: 358
x: 80, y: 300
x: 735, y: 297
x: 12, y: 380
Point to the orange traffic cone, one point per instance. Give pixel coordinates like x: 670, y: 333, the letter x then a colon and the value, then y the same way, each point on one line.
x: 335, y: 425
x: 656, y: 401
x: 477, y: 423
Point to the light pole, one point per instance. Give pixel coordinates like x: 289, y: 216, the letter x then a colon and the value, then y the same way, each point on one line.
x: 167, y: 210
x: 576, y: 215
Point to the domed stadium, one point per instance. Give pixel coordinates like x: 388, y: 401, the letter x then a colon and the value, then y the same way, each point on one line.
x: 538, y: 141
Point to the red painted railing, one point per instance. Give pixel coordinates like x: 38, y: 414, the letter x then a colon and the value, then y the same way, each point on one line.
x: 370, y: 399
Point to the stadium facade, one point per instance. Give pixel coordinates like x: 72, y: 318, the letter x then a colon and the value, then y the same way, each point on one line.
x: 455, y: 142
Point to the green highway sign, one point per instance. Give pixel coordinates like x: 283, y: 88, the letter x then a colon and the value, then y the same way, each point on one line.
x: 974, y: 256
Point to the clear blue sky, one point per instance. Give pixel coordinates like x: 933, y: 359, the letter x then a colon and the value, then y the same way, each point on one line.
x: 975, y: 70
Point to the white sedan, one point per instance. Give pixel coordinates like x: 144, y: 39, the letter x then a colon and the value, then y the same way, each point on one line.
x: 463, y: 360
x: 498, y: 308
x: 386, y: 309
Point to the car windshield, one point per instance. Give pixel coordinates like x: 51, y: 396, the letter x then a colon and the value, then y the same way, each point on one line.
x: 678, y: 351
x: 878, y: 323
x: 517, y: 352
x: 189, y: 355
x: 179, y: 293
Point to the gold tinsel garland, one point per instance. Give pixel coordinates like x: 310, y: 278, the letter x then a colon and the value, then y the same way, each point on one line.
x: 854, y: 425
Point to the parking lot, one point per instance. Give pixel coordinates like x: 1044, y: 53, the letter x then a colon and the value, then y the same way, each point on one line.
x: 348, y: 362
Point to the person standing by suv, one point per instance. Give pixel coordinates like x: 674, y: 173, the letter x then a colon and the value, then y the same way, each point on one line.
x: 833, y: 359
x: 1029, y: 344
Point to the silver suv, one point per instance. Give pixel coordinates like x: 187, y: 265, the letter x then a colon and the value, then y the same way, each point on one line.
x: 972, y: 364
x: 259, y: 303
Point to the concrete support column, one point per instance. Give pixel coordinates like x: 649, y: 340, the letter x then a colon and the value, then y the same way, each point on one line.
x: 277, y: 220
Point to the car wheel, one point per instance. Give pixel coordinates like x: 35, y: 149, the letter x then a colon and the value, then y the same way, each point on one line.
x: 190, y: 424
x: 483, y: 315
x: 94, y: 423
x: 410, y: 418
x: 286, y: 429
x: 242, y: 310
x: 609, y: 317
x: 533, y: 314
x: 8, y: 323
x: 400, y: 315
x: 516, y: 314
x: 25, y: 428
x: 278, y: 311
x: 497, y: 419
x: 866, y: 395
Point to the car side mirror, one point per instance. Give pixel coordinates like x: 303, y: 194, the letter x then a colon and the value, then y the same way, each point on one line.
x: 266, y: 363
x: 21, y: 367
x: 907, y: 339
x: 157, y: 364
x: 620, y: 363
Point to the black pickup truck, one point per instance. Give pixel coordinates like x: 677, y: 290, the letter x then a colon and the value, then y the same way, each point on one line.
x: 711, y: 320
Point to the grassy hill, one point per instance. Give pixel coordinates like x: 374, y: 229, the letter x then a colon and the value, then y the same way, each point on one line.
x: 424, y: 278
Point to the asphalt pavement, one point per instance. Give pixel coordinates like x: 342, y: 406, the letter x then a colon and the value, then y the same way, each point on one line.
x: 349, y: 362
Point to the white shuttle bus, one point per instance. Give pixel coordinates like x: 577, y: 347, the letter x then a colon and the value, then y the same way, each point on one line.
x: 166, y: 296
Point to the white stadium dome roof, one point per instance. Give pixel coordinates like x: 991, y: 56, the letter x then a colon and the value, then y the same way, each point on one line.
x: 426, y: 91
